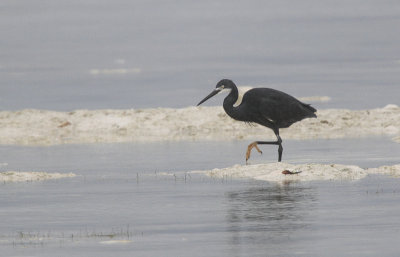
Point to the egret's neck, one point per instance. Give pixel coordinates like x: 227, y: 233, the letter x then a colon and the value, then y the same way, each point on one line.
x: 231, y: 98
x: 229, y: 102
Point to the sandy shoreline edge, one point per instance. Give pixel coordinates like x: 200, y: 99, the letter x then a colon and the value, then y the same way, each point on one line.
x: 272, y: 172
x: 30, y: 176
x: 43, y: 127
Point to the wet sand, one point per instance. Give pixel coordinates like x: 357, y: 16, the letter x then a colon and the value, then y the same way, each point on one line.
x: 274, y: 172
x: 42, y: 127
x: 30, y: 176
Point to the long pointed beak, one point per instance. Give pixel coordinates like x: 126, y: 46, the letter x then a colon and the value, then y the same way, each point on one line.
x: 213, y: 93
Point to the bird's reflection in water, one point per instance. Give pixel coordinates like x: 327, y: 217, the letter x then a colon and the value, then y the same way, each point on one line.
x: 268, y: 215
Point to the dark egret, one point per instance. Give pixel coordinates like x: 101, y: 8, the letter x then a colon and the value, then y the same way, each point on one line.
x: 265, y: 106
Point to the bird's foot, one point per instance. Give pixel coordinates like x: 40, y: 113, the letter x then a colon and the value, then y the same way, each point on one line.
x: 249, y: 148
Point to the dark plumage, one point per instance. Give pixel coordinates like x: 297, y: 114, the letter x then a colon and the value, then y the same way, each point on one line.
x: 268, y: 107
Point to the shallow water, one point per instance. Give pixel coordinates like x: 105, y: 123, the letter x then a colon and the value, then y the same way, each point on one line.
x: 121, y: 205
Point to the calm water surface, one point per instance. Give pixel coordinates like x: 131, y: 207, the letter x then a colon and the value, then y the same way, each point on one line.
x: 122, y: 194
x: 74, y: 54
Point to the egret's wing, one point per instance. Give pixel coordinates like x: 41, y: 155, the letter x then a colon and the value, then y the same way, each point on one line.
x: 273, y: 106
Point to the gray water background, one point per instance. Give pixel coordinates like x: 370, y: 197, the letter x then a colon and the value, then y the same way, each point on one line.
x: 348, y: 50
x: 122, y: 194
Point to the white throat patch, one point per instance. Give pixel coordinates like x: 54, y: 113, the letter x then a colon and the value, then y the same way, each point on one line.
x: 242, y: 91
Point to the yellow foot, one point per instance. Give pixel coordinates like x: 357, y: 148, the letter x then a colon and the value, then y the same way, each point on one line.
x: 249, y: 148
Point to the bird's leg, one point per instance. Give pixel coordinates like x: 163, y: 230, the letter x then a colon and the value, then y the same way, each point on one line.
x: 277, y: 142
x: 280, y: 148
x: 250, y: 147
x: 255, y: 143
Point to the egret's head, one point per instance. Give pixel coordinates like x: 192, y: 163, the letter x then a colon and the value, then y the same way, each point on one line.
x: 221, y: 85
x: 225, y: 84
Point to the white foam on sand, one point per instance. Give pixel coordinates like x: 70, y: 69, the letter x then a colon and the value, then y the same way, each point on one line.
x: 41, y: 127
x: 307, y: 172
x: 20, y: 176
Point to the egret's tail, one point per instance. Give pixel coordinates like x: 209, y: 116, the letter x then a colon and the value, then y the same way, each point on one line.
x: 311, y: 110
